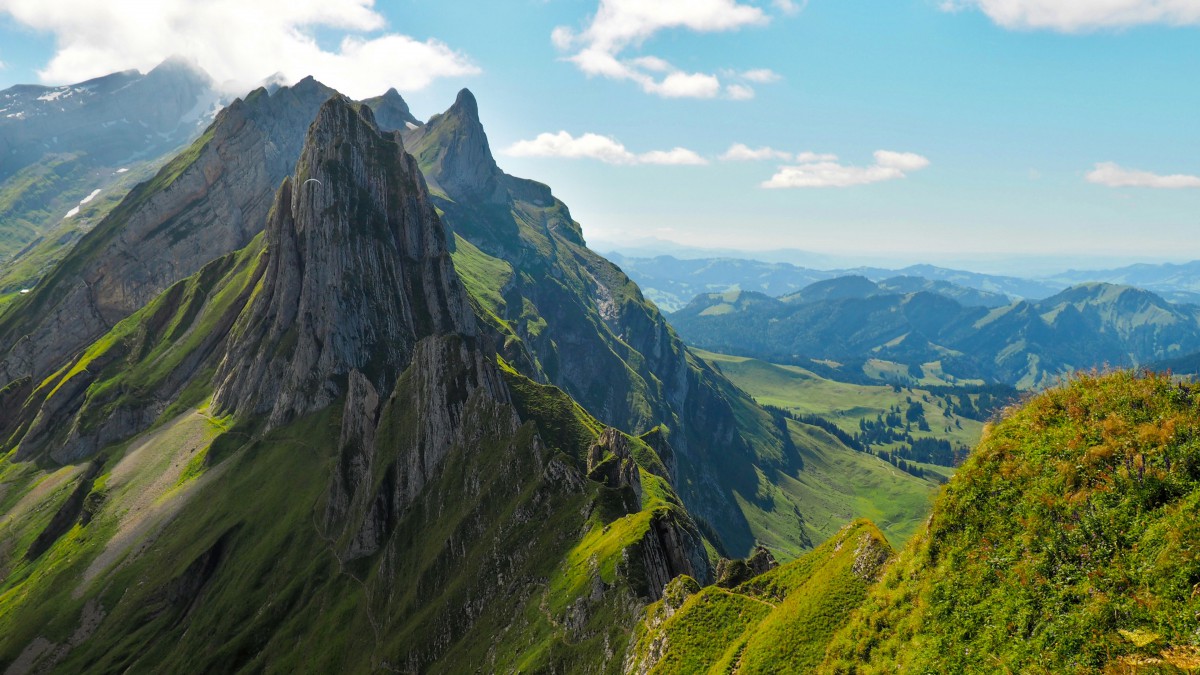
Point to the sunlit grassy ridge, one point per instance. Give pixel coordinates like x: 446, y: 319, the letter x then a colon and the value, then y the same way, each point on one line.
x: 1066, y: 543
x: 777, y: 622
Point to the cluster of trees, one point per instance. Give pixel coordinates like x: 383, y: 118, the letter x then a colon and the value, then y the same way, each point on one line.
x: 899, y: 462
x: 820, y: 422
x: 895, y: 426
x: 979, y: 403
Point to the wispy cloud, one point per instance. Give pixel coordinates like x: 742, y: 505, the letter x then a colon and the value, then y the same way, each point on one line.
x: 601, y: 148
x: 740, y: 152
x: 820, y: 171
x: 1082, y: 15
x: 238, y: 43
x: 1112, y: 175
x: 619, y: 25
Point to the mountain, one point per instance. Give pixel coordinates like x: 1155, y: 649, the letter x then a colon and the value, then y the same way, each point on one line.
x: 70, y: 153
x: 1024, y: 344
x: 569, y: 317
x: 385, y: 398
x: 856, y: 286
x: 1065, y: 543
x: 208, y: 201
x: 391, y: 111
x: 1016, y: 287
x: 671, y: 282
x: 1175, y: 282
x: 966, y: 296
x: 332, y: 448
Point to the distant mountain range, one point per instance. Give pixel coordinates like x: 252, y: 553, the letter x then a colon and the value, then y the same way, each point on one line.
x: 672, y: 282
x: 69, y: 154
x: 1175, y: 282
x: 1026, y: 344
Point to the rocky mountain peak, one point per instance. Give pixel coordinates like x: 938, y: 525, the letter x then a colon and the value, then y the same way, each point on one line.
x: 391, y: 111
x: 356, y: 272
x: 466, y: 106
x: 454, y: 146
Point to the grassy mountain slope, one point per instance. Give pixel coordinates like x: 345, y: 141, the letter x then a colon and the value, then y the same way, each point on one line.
x: 780, y: 621
x: 846, y: 404
x: 1066, y: 543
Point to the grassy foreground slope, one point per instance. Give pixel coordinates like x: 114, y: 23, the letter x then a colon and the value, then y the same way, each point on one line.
x: 1066, y: 543
x: 778, y: 622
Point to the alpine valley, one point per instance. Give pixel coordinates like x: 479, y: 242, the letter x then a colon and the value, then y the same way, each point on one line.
x: 304, y: 384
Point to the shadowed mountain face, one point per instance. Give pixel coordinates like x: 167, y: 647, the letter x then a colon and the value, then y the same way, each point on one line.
x: 569, y: 317
x: 1025, y: 344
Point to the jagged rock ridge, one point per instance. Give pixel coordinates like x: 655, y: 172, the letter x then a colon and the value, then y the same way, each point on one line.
x: 357, y: 272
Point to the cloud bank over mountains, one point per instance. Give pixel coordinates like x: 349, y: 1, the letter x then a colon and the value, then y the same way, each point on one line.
x: 238, y: 43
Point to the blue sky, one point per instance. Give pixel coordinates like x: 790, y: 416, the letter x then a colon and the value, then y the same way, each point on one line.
x: 1004, y: 135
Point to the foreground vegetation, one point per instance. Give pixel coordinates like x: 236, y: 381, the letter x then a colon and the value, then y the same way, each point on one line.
x: 1067, y: 543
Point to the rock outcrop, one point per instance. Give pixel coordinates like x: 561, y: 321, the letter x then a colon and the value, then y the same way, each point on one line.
x: 357, y: 273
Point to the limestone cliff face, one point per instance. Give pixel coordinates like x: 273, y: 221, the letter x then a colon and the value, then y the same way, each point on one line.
x: 357, y: 273
x: 209, y: 201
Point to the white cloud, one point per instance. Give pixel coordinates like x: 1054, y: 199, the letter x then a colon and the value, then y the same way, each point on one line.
x: 1112, y: 175
x: 687, y: 85
x: 238, y: 43
x: 790, y: 6
x: 901, y: 161
x: 761, y: 75
x: 817, y: 171
x: 1081, y: 15
x: 619, y: 25
x: 738, y: 92
x: 740, y: 152
x: 674, y: 156
x: 602, y: 148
